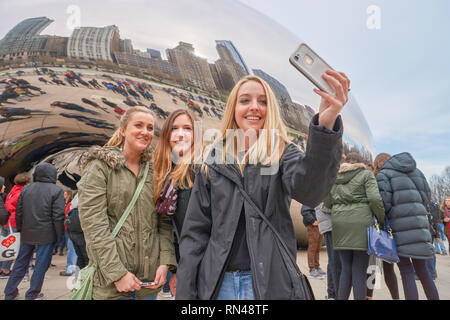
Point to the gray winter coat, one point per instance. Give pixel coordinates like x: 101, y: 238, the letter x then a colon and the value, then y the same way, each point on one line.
x: 406, y: 194
x: 323, y: 215
x: 40, y: 208
x: 216, y: 204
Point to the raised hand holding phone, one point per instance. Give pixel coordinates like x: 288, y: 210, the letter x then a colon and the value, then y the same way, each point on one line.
x: 334, y: 86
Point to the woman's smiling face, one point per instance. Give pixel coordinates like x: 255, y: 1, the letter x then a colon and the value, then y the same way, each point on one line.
x: 138, y: 133
x: 251, y: 106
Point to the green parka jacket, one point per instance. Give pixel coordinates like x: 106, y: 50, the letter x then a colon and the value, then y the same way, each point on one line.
x: 353, y: 200
x: 145, y: 240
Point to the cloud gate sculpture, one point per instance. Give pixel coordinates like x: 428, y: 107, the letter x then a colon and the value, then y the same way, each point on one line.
x: 67, y: 73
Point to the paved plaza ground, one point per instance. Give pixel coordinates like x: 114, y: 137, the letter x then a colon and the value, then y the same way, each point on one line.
x: 55, y: 286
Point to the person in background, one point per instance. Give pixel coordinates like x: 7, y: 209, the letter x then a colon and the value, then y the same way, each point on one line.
x: 315, y: 239
x: 433, y: 220
x: 353, y: 201
x: 40, y: 221
x: 323, y: 215
x: 20, y: 181
x: 445, y: 217
x: 406, y: 195
x: 71, y: 263
x: 388, y: 268
x: 76, y: 233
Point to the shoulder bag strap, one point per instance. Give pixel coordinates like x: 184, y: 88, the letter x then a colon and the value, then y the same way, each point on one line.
x: 280, y: 239
x: 132, y: 202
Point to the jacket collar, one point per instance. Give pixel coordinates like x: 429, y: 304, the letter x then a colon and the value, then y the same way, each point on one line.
x: 112, y: 156
x: 346, y: 167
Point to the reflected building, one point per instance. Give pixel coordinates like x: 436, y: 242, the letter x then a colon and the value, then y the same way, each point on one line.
x: 24, y: 42
x: 228, y: 52
x: 91, y: 43
x: 194, y: 70
x: 125, y: 45
x: 156, y: 54
x: 278, y: 88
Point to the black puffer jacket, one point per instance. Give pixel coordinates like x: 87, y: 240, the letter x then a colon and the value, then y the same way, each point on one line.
x: 309, y: 215
x: 406, y: 195
x: 40, y: 208
x: 216, y: 204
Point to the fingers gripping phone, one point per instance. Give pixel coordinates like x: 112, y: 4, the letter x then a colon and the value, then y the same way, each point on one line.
x: 312, y: 66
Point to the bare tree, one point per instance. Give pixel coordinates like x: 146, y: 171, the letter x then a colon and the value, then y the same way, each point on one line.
x: 440, y: 186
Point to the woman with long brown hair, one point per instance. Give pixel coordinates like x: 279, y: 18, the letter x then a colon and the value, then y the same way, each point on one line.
x: 174, y: 172
x: 228, y: 250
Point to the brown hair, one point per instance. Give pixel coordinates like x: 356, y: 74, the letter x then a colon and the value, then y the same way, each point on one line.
x: 181, y: 175
x: 354, y: 157
x: 379, y: 162
x: 22, y: 179
x: 117, y: 140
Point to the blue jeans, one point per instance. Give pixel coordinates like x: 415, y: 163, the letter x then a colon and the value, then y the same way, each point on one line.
x: 166, y: 287
x: 6, y: 265
x: 409, y: 280
x: 333, y: 267
x: 71, y: 266
x: 440, y: 247
x: 43, y: 260
x: 236, y: 286
x: 133, y: 297
x: 431, y: 266
x: 61, y: 243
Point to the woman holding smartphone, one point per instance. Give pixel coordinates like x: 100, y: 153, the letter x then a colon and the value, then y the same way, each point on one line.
x: 227, y: 250
x: 143, y: 250
x: 174, y: 173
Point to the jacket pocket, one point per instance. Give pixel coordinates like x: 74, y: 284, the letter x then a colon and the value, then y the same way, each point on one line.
x: 126, y: 253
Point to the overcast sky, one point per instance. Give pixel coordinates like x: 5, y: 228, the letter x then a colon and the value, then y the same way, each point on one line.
x: 399, y: 72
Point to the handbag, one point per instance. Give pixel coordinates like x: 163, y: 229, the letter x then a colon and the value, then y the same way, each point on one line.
x: 301, y: 286
x: 85, y: 280
x: 9, y: 245
x: 381, y: 243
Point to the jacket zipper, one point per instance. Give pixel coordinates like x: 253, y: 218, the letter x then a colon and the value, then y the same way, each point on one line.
x: 254, y: 270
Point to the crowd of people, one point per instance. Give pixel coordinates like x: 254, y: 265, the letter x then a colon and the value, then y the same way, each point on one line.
x: 220, y: 228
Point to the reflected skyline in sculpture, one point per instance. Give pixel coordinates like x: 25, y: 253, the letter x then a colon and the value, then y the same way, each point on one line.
x: 199, y: 50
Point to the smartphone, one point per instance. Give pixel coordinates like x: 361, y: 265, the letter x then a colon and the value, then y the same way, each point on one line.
x: 147, y: 284
x: 312, y: 66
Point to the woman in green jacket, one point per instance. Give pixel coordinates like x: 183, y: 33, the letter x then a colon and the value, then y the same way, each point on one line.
x: 353, y: 200
x: 143, y: 250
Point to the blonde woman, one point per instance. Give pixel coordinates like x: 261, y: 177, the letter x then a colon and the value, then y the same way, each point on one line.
x: 175, y: 172
x: 143, y: 249
x: 227, y: 250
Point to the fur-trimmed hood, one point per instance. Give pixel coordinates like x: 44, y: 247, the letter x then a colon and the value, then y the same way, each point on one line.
x: 345, y: 167
x: 112, y: 156
x: 348, y: 171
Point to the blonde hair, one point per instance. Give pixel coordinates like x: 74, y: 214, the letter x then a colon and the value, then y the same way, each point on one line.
x: 443, y: 203
x: 182, y: 175
x: 264, y: 150
x: 117, y: 139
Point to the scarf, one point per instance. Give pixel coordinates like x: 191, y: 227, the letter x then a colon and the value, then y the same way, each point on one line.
x: 167, y: 201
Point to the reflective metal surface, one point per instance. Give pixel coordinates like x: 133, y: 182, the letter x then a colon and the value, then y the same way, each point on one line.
x: 197, y: 50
